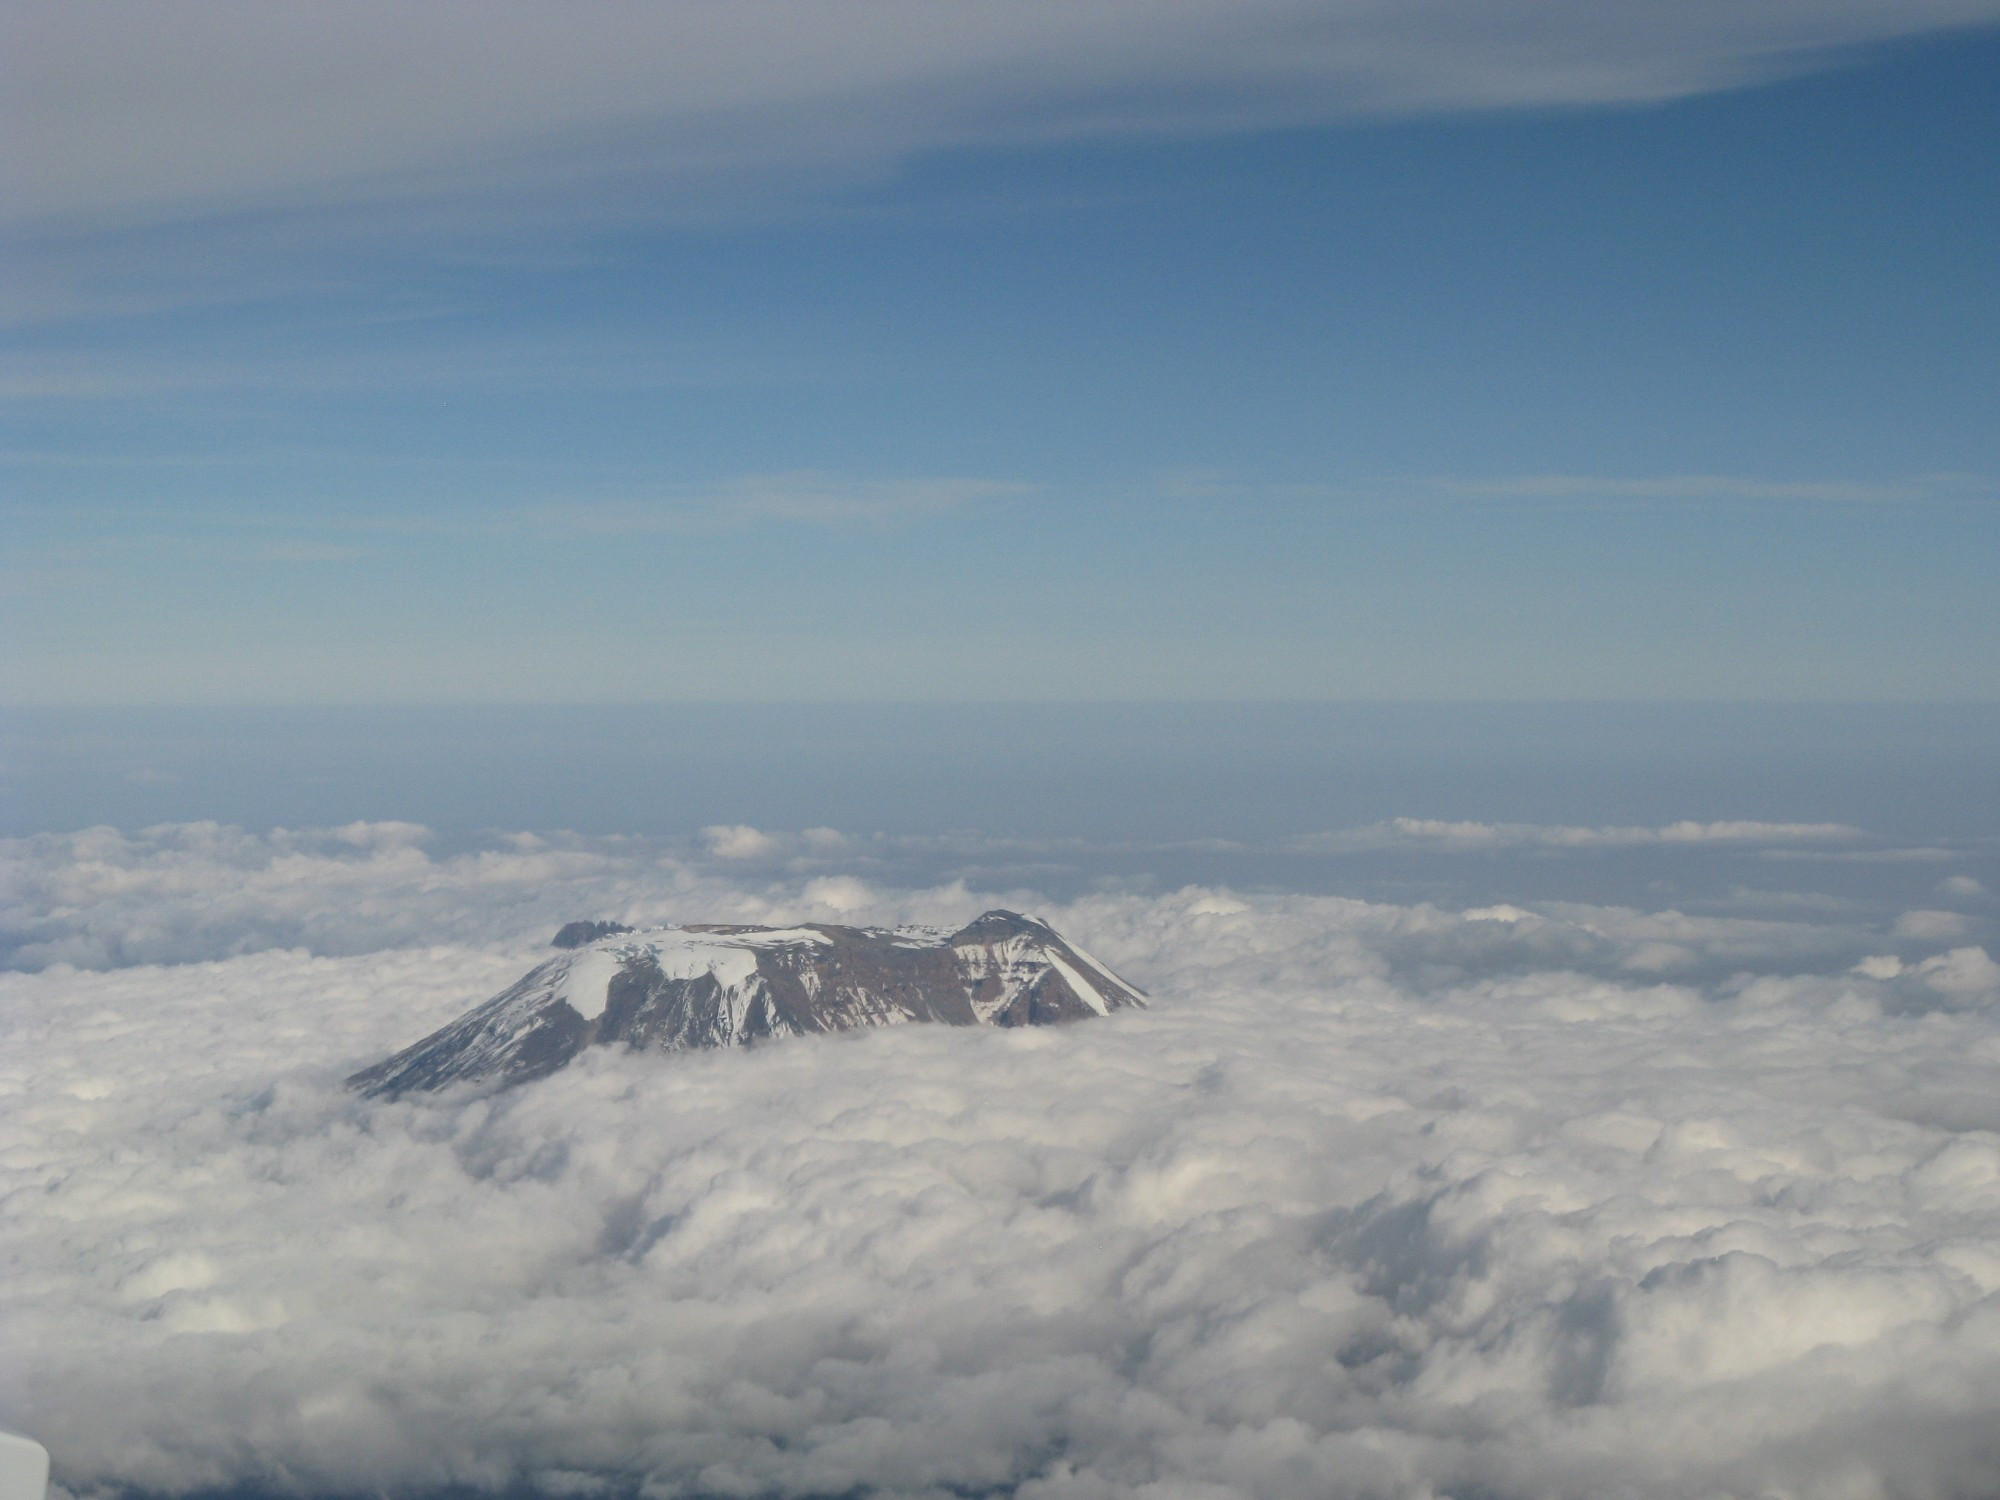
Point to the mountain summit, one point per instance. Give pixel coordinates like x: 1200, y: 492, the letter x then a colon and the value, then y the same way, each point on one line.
x: 672, y: 989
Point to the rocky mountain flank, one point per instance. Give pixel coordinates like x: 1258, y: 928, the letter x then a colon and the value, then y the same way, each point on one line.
x: 671, y: 989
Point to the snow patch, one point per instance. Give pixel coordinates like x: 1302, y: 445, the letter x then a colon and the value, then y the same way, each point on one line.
x: 585, y: 986
x: 1085, y: 990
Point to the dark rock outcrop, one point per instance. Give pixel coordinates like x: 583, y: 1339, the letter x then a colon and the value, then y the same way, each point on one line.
x: 672, y: 989
x: 582, y: 934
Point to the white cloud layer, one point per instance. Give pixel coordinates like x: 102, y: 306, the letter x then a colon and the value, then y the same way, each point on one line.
x: 187, y: 892
x: 181, y: 893
x: 114, y: 106
x: 1378, y: 1201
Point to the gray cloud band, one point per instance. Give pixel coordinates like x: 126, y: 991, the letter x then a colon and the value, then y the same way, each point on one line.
x: 120, y: 108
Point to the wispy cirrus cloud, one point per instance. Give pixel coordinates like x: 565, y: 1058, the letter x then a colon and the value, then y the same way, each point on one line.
x: 1713, y: 487
x: 806, y: 497
x: 1601, y: 489
x: 308, y: 552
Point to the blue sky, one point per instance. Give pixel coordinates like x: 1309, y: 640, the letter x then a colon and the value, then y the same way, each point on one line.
x: 1659, y: 367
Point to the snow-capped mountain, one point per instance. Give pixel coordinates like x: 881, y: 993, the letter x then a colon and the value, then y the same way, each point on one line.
x: 671, y: 989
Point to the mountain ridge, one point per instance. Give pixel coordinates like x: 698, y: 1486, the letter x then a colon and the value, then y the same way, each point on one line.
x: 710, y: 985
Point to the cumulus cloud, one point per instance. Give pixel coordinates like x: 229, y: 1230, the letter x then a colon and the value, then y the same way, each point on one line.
x: 739, y: 841
x: 1931, y: 924
x: 115, y: 107
x: 1377, y: 1201
x: 840, y: 892
x: 102, y: 898
x: 1966, y: 976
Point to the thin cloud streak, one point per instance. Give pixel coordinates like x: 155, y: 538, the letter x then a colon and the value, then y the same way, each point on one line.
x: 1461, y: 837
x: 1600, y: 490
x: 804, y: 498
